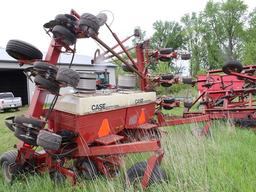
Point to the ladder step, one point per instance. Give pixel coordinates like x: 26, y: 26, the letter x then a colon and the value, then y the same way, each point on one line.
x: 109, y: 139
x: 147, y: 126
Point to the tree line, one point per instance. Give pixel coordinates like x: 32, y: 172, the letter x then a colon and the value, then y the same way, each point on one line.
x: 221, y: 32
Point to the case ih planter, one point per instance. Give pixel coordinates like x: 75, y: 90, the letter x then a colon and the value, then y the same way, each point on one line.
x: 94, y: 129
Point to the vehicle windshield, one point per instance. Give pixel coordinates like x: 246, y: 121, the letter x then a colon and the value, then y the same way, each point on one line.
x: 6, y: 95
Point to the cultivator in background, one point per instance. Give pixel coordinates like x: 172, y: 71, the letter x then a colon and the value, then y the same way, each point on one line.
x: 228, y: 95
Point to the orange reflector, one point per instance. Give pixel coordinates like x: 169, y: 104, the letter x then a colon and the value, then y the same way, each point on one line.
x: 142, y: 118
x: 104, y: 128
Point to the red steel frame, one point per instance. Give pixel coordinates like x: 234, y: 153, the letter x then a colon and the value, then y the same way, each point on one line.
x: 45, y: 162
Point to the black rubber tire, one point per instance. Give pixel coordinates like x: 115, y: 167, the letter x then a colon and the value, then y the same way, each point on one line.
x: 166, y: 50
x: 187, y: 80
x: 44, y: 66
x: 248, y: 123
x: 22, y: 134
x: 86, y: 169
x: 245, y: 123
x: 89, y: 20
x: 137, y: 32
x: 185, y: 56
x: 46, y: 70
x: 167, y: 76
x: 68, y: 77
x: 232, y: 66
x: 49, y: 140
x: 66, y: 36
x: 66, y: 20
x: 21, y: 50
x: 169, y: 100
x: 67, y: 136
x: 71, y: 17
x: 57, y: 177
x: 188, y: 104
x: 8, y: 155
x: 6, y: 160
x: 166, y: 84
x: 50, y: 24
x: 31, y: 122
x: 237, y: 122
x: 9, y: 122
x: 62, y: 19
x: 102, y: 18
x: 166, y: 107
x: 137, y: 172
x: 51, y: 86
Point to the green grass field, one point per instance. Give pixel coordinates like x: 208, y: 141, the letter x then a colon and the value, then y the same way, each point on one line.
x: 223, y: 162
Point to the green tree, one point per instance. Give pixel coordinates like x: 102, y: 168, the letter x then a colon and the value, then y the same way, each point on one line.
x: 216, y: 34
x: 249, y: 51
x: 226, y: 22
x: 194, y: 41
x: 167, y: 34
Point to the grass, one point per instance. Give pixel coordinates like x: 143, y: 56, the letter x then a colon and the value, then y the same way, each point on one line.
x: 223, y: 162
x: 7, y: 140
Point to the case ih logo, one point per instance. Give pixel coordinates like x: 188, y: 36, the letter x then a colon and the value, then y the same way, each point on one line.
x: 137, y: 101
x: 98, y: 107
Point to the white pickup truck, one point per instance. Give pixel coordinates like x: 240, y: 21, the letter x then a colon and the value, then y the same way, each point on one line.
x: 8, y: 101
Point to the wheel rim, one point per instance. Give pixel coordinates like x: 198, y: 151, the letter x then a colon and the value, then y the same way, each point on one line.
x: 57, y: 177
x: 8, y: 175
x: 86, y: 172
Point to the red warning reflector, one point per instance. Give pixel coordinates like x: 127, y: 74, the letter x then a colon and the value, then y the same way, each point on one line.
x: 104, y: 128
x: 142, y: 118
